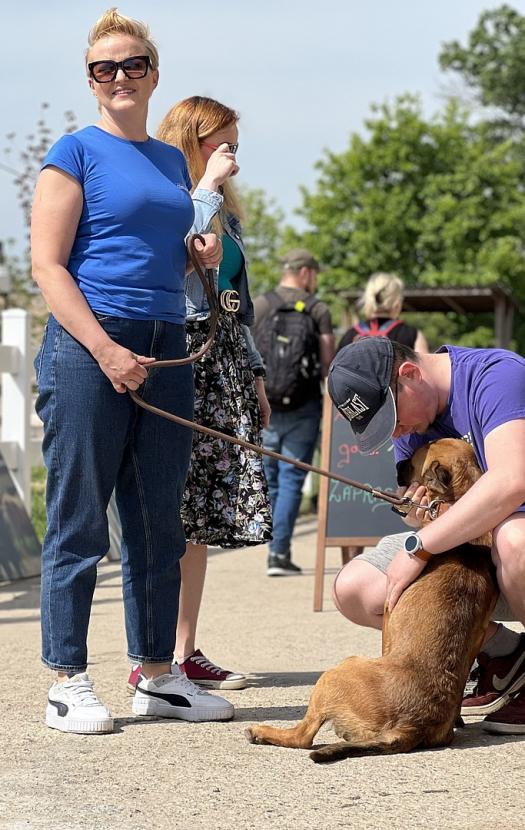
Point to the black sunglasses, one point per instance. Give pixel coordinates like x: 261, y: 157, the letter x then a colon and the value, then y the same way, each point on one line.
x: 103, y: 72
x: 231, y: 147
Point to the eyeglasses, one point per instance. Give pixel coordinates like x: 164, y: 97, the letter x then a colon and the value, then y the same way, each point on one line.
x: 103, y: 72
x: 231, y: 147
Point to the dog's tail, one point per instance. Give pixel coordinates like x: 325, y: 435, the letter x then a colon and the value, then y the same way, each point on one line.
x: 392, y: 742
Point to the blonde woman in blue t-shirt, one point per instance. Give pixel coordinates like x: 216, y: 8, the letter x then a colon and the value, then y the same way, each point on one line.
x: 111, y: 212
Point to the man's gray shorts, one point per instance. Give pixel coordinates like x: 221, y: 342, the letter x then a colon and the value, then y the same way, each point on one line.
x: 381, y: 556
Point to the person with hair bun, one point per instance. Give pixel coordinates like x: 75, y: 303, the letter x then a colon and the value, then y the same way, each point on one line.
x: 226, y: 501
x: 111, y: 214
x: 379, y: 307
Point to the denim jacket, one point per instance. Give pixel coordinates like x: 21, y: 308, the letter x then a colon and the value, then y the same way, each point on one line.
x: 207, y: 203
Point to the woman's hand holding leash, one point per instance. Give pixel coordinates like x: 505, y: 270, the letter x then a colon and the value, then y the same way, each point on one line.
x: 124, y: 369
x: 209, y: 253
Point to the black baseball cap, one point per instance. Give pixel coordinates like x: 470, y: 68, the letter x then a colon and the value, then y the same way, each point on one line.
x: 359, y: 384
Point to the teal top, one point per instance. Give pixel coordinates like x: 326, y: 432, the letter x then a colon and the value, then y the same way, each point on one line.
x: 231, y: 265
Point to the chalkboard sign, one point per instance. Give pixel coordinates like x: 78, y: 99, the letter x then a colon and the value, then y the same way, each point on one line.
x: 349, y: 517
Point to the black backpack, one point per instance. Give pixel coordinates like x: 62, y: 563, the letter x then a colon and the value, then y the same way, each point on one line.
x: 288, y: 340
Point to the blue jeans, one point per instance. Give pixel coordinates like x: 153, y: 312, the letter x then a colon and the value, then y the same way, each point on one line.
x: 96, y: 440
x: 295, y: 434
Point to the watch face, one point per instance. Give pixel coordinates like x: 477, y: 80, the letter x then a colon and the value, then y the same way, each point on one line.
x: 412, y: 543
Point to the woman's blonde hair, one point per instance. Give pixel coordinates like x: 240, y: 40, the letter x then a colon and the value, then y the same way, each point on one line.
x: 186, y: 125
x: 113, y: 23
x: 382, y: 297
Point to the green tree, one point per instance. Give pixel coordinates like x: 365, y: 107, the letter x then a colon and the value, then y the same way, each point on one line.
x: 23, y: 163
x: 263, y: 238
x: 437, y: 201
x: 492, y: 63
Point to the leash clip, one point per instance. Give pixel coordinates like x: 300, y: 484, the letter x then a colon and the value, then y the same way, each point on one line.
x: 404, y: 507
x: 433, y: 508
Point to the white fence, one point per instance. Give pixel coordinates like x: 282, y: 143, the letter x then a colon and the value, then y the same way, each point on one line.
x: 20, y: 451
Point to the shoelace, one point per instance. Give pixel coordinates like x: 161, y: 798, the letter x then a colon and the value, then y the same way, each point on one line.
x: 82, y: 690
x: 188, y: 685
x: 472, y: 682
x: 204, y: 663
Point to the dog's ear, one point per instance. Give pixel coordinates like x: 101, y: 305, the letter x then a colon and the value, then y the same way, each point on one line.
x: 467, y: 473
x: 437, y: 478
x: 404, y: 472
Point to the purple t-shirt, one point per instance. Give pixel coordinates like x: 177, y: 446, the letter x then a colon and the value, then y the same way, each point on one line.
x: 487, y: 389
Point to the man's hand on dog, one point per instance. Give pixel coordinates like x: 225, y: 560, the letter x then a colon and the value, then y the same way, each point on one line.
x: 403, y: 569
x: 416, y: 492
x: 401, y: 573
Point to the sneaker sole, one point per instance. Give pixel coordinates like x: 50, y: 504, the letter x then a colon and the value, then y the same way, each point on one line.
x: 281, y: 572
x: 504, y: 728
x: 98, y: 727
x: 220, y: 684
x: 147, y: 706
x: 496, y: 705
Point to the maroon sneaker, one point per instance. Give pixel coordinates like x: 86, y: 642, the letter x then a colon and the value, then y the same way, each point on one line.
x: 133, y: 678
x: 203, y: 672
x: 510, y: 720
x: 498, y: 680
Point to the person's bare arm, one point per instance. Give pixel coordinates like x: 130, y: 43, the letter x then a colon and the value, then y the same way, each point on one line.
x: 57, y: 208
x: 326, y: 351
x: 494, y: 497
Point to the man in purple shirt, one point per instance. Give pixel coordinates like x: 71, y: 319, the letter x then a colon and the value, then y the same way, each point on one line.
x: 386, y: 390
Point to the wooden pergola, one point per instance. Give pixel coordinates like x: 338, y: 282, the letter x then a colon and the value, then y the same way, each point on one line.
x: 494, y: 299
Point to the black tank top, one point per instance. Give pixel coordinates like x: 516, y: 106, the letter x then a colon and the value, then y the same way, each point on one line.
x: 402, y: 333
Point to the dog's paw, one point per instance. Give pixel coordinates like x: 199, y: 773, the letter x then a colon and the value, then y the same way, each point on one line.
x: 250, y: 735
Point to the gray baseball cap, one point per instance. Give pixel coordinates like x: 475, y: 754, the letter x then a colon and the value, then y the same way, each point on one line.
x: 359, y: 385
x: 299, y: 258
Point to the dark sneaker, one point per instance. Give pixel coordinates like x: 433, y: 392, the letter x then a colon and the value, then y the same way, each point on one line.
x: 510, y: 720
x: 497, y: 680
x: 203, y: 672
x: 74, y: 707
x: 174, y: 696
x: 281, y: 566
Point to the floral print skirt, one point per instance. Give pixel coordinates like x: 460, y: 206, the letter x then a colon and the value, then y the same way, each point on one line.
x: 226, y: 500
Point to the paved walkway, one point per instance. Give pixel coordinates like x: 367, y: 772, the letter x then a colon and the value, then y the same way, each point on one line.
x: 156, y: 774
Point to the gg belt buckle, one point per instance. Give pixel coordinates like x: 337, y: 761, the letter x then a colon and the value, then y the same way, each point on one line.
x: 230, y: 301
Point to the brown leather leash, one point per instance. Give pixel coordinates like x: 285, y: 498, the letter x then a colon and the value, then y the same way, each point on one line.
x: 400, y: 504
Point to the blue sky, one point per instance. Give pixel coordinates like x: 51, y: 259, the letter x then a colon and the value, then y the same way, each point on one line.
x: 302, y: 74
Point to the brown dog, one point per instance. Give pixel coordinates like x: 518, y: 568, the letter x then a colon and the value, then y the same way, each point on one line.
x: 410, y: 696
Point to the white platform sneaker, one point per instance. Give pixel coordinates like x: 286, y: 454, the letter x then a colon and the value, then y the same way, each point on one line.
x: 174, y: 696
x: 74, y: 707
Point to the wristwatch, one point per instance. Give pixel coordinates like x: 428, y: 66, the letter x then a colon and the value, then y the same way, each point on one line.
x: 414, y: 547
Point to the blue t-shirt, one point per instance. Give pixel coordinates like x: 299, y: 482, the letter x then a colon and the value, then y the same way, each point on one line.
x: 487, y: 389
x: 129, y: 254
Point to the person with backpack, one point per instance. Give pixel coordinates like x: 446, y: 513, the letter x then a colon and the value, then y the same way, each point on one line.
x: 294, y: 335
x: 380, y: 307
